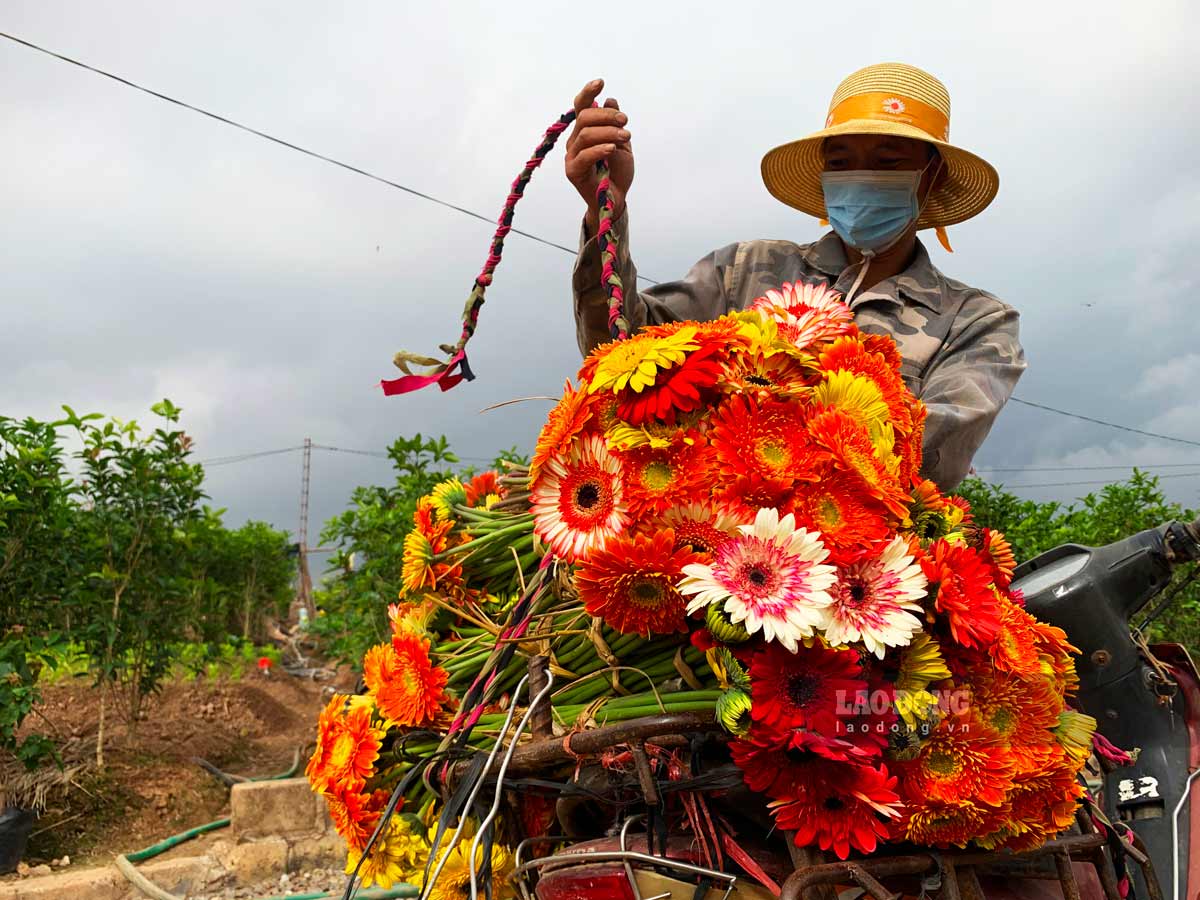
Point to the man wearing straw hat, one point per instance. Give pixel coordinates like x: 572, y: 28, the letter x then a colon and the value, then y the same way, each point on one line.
x: 880, y: 170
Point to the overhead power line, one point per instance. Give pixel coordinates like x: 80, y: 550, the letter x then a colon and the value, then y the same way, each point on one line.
x: 242, y: 457
x: 1063, y: 412
x: 1047, y: 484
x: 1187, y: 465
x: 224, y: 120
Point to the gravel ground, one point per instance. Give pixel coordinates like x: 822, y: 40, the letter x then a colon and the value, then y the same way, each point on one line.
x: 303, y: 882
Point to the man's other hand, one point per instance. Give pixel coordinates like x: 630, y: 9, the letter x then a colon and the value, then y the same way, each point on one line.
x: 600, y: 133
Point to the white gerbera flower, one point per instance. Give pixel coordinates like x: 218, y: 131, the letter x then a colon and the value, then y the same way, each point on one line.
x: 577, y: 503
x: 874, y: 600
x: 770, y: 578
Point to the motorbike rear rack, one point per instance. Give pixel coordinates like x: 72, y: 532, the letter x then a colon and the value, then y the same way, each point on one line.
x: 813, y: 878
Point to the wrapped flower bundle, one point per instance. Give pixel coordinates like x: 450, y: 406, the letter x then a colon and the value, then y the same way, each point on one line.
x: 727, y: 516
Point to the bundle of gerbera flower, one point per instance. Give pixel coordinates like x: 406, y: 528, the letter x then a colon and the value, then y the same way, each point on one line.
x: 728, y: 517
x: 753, y: 481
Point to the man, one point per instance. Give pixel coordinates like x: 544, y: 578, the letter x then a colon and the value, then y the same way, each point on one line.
x: 880, y: 170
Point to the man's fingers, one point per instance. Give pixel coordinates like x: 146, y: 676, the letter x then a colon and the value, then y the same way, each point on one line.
x: 586, y: 97
x: 583, y: 161
x: 606, y: 134
x: 600, y: 116
x: 611, y: 103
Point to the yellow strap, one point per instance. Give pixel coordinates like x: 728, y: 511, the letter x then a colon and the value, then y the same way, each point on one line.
x: 889, y: 107
x: 943, y: 238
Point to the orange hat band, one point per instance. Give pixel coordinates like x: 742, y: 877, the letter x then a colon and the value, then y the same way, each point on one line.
x: 885, y: 107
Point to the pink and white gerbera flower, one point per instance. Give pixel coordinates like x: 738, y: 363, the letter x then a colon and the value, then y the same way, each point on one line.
x: 770, y: 577
x: 806, y: 313
x: 577, y: 503
x: 874, y: 600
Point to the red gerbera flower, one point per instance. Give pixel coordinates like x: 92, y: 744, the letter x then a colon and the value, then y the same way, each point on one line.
x: 630, y: 583
x: 347, y: 747
x: 407, y: 686
x: 854, y: 454
x: 806, y: 689
x: 656, y: 478
x: 961, y: 760
x: 835, y: 507
x: 839, y: 807
x: 565, y: 421
x: 678, y: 389
x: 1015, y: 649
x: 962, y: 590
x: 763, y: 440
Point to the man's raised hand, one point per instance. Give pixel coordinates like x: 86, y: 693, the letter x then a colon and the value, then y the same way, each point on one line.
x: 599, y: 133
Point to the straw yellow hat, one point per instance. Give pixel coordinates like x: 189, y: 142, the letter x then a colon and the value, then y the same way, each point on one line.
x: 888, y: 98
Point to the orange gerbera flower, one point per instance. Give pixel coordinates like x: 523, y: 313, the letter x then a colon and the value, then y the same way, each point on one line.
x: 963, y: 593
x: 566, y: 420
x: 997, y: 552
x: 1041, y: 805
x: 699, y: 527
x: 484, y: 489
x: 347, y: 747
x: 772, y: 375
x: 1015, y: 649
x: 763, y: 440
x: 854, y: 454
x: 355, y: 814
x: 657, y: 478
x: 1021, y: 712
x: 963, y: 759
x: 408, y: 688
x: 835, y: 507
x: 937, y: 824
x: 630, y: 583
x: 851, y: 354
x: 429, y: 537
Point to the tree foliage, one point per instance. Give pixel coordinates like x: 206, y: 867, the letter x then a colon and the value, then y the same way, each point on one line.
x: 119, y: 560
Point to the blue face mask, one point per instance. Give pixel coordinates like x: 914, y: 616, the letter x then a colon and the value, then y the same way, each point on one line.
x: 870, y: 209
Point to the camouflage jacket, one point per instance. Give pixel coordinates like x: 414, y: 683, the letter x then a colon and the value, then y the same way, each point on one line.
x: 960, y: 347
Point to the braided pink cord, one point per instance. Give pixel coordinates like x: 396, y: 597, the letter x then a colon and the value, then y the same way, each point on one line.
x: 455, y: 368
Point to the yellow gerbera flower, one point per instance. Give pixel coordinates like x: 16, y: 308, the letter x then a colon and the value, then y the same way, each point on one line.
x: 446, y: 496
x: 921, y: 664
x: 915, y: 707
x: 1074, y: 733
x: 398, y: 855
x: 634, y: 363
x: 854, y: 395
x: 454, y: 882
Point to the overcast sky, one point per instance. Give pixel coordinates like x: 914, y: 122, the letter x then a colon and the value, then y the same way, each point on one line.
x: 146, y: 251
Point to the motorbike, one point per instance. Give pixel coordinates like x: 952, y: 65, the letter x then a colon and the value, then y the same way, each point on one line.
x: 1140, y: 838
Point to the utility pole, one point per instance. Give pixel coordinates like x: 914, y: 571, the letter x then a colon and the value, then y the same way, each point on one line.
x: 305, y: 596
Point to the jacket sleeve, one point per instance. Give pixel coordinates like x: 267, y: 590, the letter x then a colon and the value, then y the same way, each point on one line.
x: 699, y: 295
x: 966, y: 384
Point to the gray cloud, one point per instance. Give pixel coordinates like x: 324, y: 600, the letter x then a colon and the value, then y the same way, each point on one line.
x: 150, y: 252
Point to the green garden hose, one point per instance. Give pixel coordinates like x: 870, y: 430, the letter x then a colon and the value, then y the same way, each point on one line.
x: 125, y: 861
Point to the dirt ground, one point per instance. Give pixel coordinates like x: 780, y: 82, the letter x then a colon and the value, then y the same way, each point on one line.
x: 150, y: 788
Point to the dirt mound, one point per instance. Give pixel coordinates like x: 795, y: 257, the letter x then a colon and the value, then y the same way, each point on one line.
x: 150, y: 787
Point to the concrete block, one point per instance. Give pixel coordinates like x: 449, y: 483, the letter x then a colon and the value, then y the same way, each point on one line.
x: 95, y: 884
x: 260, y: 808
x: 258, y: 860
x: 322, y: 851
x: 185, y: 876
